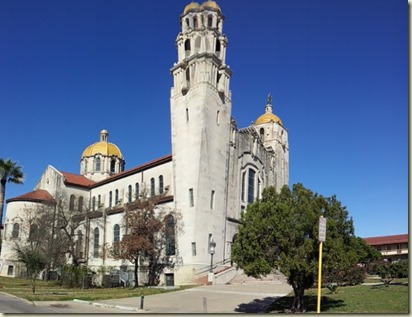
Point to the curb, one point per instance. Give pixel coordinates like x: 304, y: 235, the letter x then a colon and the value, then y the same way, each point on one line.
x: 106, y: 305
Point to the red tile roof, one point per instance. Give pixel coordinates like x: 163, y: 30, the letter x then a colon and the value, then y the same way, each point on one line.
x: 38, y: 195
x: 77, y: 180
x: 400, y: 238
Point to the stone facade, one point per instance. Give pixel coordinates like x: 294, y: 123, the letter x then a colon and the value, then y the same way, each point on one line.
x: 215, y: 169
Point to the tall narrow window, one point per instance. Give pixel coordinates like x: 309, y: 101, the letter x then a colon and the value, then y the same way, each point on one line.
x: 137, y: 190
x: 195, y: 22
x: 96, y: 243
x: 161, y: 189
x: 193, y: 248
x: 97, y: 167
x: 212, y: 200
x: 79, y: 244
x: 112, y: 166
x: 170, y: 236
x: 34, y: 232
x: 110, y: 199
x: 187, y: 115
x: 210, y: 21
x: 80, y: 204
x: 116, y: 196
x: 191, y: 198
x: 251, y: 186
x: 129, y: 194
x: 187, y: 48
x: 217, y: 48
x: 93, y: 203
x: 243, y: 185
x: 71, y: 202
x: 116, y: 238
x: 188, y: 77
x: 262, y: 134
x: 99, y: 201
x: 152, y: 186
x: 218, y: 117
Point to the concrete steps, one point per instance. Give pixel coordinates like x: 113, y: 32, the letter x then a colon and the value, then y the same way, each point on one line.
x: 272, y: 278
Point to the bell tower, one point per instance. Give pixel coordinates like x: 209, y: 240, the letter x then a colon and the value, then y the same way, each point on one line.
x: 200, y: 105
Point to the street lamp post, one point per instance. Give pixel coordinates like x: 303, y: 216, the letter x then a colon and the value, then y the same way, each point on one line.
x: 212, y: 249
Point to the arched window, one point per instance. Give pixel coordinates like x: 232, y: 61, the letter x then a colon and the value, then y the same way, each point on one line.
x: 210, y: 21
x: 112, y: 166
x: 80, y: 204
x: 188, y: 77
x: 15, y: 232
x: 97, y: 163
x: 161, y: 187
x: 137, y: 190
x: 217, y: 47
x: 187, y: 48
x: 110, y: 198
x: 116, y: 238
x: 170, y: 235
x: 251, y: 186
x: 116, y: 197
x: 96, y: 243
x: 79, y: 244
x: 129, y: 194
x: 197, y: 44
x: 195, y: 22
x: 33, y: 235
x: 152, y: 186
x: 99, y: 201
x: 262, y: 133
x: 187, y: 23
x: 71, y: 203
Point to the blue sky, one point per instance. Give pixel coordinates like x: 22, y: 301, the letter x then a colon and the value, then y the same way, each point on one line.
x: 338, y: 72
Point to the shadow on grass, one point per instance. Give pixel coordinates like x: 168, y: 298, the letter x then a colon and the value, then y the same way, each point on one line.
x: 256, y: 306
x: 285, y: 303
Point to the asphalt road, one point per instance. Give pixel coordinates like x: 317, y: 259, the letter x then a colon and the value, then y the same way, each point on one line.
x: 12, y: 305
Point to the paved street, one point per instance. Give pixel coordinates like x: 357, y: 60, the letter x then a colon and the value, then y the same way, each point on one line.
x: 246, y: 298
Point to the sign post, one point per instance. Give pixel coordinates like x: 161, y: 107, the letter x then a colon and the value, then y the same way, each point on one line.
x: 322, y: 238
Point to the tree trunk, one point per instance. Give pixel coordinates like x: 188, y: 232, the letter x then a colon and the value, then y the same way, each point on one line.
x: 2, y: 195
x: 33, y: 285
x: 136, y: 278
x: 298, y: 301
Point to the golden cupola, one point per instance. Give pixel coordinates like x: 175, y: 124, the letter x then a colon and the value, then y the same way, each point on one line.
x: 194, y: 6
x: 101, y: 159
x: 102, y: 147
x: 268, y: 116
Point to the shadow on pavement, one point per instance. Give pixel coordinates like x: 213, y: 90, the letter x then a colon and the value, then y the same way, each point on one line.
x: 255, y: 306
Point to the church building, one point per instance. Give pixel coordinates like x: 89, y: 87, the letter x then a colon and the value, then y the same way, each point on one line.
x: 214, y: 171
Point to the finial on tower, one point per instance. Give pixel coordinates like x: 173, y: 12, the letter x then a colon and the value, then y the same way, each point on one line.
x: 270, y: 98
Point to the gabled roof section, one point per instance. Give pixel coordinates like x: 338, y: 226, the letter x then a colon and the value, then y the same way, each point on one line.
x: 137, y: 169
x: 382, y: 240
x: 76, y: 180
x: 38, y: 195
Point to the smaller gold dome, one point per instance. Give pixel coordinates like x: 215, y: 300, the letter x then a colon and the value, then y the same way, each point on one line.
x: 191, y: 6
x: 210, y: 4
x: 102, y: 147
x: 267, y: 117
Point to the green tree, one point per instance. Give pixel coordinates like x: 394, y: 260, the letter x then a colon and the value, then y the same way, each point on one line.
x: 9, y: 173
x: 34, y: 261
x: 280, y: 231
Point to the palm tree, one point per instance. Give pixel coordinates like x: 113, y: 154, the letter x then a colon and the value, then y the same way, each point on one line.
x: 9, y: 173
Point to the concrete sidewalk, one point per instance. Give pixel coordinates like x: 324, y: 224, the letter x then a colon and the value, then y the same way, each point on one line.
x: 245, y: 298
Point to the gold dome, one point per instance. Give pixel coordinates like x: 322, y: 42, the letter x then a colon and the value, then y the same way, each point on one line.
x: 210, y: 4
x: 102, y: 147
x: 191, y: 6
x: 267, y: 117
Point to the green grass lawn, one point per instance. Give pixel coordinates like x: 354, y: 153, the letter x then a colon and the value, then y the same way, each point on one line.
x: 50, y: 291
x: 354, y: 299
